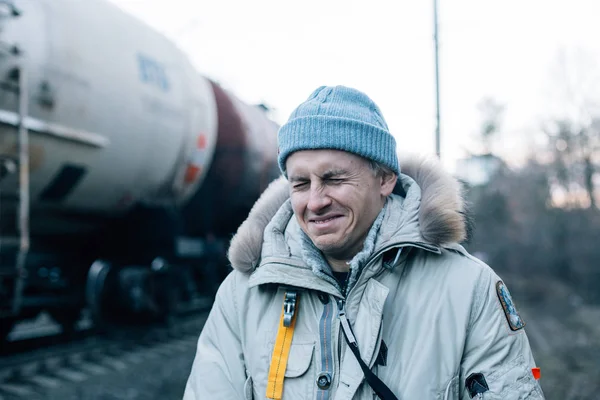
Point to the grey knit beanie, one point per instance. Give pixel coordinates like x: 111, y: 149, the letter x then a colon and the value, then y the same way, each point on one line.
x: 338, y: 118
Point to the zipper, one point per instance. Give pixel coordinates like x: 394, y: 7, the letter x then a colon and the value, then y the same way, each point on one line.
x: 345, y: 288
x: 340, y: 351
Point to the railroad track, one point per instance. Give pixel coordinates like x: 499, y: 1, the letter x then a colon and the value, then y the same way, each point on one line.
x: 20, y: 346
x: 32, y: 374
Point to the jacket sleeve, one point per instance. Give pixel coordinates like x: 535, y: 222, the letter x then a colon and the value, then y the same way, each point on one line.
x: 218, y: 370
x: 497, y: 346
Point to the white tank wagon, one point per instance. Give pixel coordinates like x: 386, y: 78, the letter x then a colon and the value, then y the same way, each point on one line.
x: 112, y: 150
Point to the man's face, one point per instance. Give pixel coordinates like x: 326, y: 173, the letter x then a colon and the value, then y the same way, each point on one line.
x: 336, y: 197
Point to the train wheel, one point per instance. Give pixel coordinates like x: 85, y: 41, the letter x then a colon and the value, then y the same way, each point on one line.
x: 98, y: 282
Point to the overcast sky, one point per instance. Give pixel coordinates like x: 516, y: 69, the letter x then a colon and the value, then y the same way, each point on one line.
x: 279, y: 51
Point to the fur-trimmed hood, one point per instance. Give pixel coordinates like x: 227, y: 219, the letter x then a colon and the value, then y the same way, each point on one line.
x: 432, y: 201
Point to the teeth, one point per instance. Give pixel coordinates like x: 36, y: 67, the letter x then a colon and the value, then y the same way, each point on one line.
x: 325, y: 220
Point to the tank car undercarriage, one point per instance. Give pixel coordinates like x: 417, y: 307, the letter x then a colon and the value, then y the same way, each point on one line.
x: 131, y: 273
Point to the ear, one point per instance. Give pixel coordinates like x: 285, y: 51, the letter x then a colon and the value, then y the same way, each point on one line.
x: 388, y: 182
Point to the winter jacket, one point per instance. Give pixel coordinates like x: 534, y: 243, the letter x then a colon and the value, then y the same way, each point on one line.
x: 427, y: 316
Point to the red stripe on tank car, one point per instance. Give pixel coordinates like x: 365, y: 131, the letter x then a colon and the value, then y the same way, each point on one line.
x: 201, y: 143
x: 191, y: 173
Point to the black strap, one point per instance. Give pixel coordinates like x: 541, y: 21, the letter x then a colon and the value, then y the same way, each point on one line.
x: 376, y: 384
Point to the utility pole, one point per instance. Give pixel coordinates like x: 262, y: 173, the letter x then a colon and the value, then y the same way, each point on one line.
x: 437, y: 79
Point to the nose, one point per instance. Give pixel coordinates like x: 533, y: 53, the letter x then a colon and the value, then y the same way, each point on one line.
x: 318, y: 199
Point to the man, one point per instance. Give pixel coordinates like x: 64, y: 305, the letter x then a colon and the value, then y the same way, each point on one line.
x: 356, y: 285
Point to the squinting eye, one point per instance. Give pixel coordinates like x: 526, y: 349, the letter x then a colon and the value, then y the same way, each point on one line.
x: 300, y: 185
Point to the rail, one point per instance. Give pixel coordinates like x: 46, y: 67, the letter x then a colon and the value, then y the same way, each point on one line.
x: 34, y: 373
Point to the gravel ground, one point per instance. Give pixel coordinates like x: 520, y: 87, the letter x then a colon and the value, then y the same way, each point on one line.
x: 161, y: 378
x: 564, y: 333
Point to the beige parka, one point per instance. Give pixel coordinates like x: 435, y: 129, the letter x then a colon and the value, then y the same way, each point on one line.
x: 442, y: 314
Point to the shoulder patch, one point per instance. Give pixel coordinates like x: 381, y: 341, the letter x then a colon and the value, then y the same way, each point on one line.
x: 510, y: 310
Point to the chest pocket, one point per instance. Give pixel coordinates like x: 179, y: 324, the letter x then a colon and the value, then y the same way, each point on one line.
x: 299, y: 382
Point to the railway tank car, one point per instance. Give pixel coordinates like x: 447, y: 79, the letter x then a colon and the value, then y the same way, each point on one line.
x: 120, y: 165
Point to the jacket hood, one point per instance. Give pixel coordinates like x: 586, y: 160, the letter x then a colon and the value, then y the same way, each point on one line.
x: 430, y: 194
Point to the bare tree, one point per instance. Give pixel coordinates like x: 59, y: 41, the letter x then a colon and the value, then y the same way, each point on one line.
x: 574, y: 128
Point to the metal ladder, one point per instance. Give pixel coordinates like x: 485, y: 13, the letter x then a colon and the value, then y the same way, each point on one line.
x: 22, y: 166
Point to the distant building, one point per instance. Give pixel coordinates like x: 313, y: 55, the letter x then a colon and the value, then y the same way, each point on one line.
x: 478, y: 169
